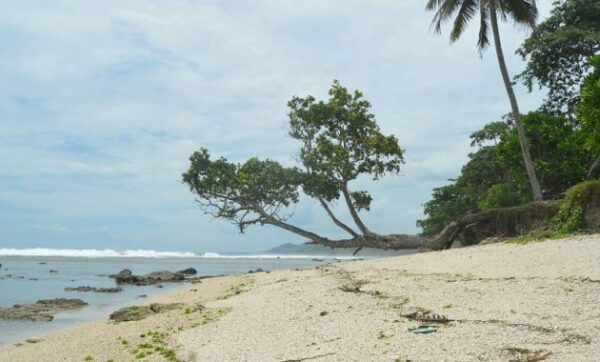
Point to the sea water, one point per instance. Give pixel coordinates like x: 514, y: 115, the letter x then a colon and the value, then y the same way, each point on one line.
x: 25, y: 277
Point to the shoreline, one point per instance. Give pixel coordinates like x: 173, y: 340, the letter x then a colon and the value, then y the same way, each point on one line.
x: 506, y: 301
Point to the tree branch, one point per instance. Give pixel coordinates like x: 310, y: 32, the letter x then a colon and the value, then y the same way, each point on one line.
x: 336, y: 220
x: 268, y: 219
x: 353, y: 213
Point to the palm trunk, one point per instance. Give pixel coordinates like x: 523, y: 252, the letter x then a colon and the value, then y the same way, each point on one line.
x: 363, y: 229
x: 531, y: 175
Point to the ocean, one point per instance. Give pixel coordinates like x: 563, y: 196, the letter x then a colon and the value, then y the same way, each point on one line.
x: 25, y: 277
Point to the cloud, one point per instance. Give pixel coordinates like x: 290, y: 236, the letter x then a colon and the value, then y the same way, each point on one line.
x: 102, y: 103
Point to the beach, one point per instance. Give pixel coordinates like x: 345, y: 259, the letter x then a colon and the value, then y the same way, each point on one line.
x: 497, y: 302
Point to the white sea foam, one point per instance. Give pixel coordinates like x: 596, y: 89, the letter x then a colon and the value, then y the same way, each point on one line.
x: 141, y: 253
x: 95, y: 253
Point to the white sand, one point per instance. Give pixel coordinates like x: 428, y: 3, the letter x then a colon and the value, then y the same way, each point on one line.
x: 541, y: 296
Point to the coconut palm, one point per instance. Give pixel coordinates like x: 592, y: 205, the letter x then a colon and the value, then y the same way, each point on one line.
x: 522, y: 12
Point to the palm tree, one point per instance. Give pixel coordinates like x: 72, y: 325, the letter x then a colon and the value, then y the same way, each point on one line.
x: 523, y: 12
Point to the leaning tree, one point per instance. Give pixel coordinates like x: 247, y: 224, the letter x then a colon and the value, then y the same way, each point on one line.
x: 340, y: 141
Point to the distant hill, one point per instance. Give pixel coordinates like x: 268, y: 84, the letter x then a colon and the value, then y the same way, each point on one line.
x: 319, y: 250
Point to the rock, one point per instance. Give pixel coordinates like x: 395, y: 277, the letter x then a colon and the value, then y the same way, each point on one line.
x: 42, y: 310
x: 125, y: 276
x: 257, y: 270
x: 188, y: 271
x: 142, y: 296
x: 323, y: 313
x: 315, y: 259
x: 33, y: 340
x: 136, y: 313
x: 33, y: 279
x: 53, y: 271
x: 591, y: 217
x: 40, y: 263
x: 87, y: 288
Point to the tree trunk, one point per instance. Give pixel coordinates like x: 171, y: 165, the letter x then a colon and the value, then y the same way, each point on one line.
x: 531, y: 175
x: 363, y: 229
x: 294, y: 229
x: 336, y: 220
x: 384, y: 242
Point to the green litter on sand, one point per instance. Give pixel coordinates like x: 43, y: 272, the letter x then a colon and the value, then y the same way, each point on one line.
x: 423, y: 329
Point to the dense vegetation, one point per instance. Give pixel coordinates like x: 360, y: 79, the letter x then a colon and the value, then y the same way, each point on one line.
x: 563, y: 136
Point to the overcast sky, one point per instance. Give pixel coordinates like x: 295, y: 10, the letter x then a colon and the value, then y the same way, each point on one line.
x: 102, y: 102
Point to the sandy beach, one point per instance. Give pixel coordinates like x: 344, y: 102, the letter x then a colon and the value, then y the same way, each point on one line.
x: 504, y: 302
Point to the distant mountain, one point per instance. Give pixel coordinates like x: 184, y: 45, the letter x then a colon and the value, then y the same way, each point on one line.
x: 319, y: 250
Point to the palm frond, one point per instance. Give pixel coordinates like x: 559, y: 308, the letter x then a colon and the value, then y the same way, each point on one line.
x: 523, y: 12
x: 467, y: 11
x: 445, y: 10
x: 484, y: 27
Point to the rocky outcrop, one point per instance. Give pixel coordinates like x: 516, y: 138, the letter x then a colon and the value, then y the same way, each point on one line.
x: 87, y: 288
x: 136, y: 313
x: 188, y: 271
x: 42, y: 310
x: 125, y: 276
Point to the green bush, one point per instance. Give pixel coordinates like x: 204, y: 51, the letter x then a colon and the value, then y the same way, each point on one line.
x: 570, y: 216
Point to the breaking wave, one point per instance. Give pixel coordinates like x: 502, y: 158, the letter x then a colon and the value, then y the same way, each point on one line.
x: 96, y: 253
x: 141, y: 253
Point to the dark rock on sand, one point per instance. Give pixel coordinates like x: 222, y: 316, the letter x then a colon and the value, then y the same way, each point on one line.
x: 42, y: 310
x: 125, y: 276
x: 188, y: 271
x: 87, y: 288
x: 137, y: 313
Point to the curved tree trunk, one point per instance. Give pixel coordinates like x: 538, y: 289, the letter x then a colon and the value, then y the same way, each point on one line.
x: 531, y: 175
x: 363, y: 229
x: 336, y: 220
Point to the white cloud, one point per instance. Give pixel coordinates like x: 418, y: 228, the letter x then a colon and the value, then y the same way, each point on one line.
x: 102, y: 103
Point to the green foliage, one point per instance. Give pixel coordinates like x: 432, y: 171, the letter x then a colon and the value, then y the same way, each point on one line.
x: 242, y: 193
x: 558, y: 51
x: 341, y: 141
x: 157, y: 344
x: 447, y: 204
x: 570, y: 216
x: 522, y: 12
x: 589, y: 109
x: 495, y: 177
x: 500, y: 195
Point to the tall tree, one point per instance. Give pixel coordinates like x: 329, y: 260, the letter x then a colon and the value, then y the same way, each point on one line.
x: 494, y: 176
x: 523, y: 12
x: 340, y: 141
x: 558, y: 53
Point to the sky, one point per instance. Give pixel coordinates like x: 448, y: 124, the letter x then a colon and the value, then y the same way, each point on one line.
x: 102, y: 103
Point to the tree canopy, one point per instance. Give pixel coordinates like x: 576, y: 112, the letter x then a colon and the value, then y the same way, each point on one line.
x: 493, y: 177
x: 340, y: 141
x: 559, y: 50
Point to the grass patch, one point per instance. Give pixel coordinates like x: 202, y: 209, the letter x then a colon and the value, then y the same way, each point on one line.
x: 235, y: 290
x: 157, y: 344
